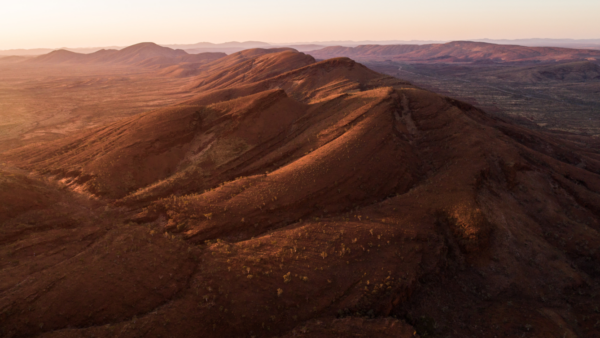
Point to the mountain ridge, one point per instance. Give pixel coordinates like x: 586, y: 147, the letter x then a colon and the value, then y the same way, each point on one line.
x: 144, y: 54
x: 457, y: 51
x: 290, y: 197
x: 232, y: 47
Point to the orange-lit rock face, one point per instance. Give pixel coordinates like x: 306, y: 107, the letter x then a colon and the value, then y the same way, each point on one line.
x: 468, y: 225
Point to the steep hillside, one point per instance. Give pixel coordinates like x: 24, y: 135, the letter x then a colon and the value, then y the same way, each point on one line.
x: 457, y: 51
x: 321, y: 200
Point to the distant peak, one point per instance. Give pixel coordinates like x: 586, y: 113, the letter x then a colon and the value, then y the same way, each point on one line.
x: 62, y: 51
x: 145, y: 44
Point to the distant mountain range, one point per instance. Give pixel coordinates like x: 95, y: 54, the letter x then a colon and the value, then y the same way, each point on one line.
x: 41, y: 51
x: 146, y: 54
x: 180, y: 63
x: 457, y: 51
x: 234, y: 46
x: 566, y: 43
x: 195, y: 48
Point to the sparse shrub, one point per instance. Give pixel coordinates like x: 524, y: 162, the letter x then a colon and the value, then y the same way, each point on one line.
x: 425, y: 326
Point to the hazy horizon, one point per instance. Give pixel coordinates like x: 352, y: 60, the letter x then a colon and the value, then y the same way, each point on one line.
x: 73, y: 24
x: 324, y: 43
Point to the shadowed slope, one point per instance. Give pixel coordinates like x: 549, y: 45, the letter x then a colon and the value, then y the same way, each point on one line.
x: 62, y: 243
x: 189, y: 61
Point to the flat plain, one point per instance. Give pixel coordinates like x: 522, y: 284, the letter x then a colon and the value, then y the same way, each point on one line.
x: 559, y: 104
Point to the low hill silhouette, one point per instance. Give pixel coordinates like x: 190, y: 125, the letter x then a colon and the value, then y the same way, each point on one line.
x: 11, y: 59
x: 457, y: 51
x: 145, y: 54
x: 290, y: 198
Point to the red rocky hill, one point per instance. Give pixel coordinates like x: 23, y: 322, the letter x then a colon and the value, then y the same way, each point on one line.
x: 298, y: 198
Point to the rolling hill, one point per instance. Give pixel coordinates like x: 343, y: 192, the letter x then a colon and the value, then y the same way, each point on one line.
x: 235, y: 65
x: 296, y: 198
x: 457, y: 51
x: 143, y: 54
x: 12, y: 59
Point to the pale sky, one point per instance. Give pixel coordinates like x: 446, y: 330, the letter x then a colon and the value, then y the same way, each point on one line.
x: 86, y: 23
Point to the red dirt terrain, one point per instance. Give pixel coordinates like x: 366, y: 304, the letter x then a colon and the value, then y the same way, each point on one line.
x: 295, y: 198
x: 457, y: 51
